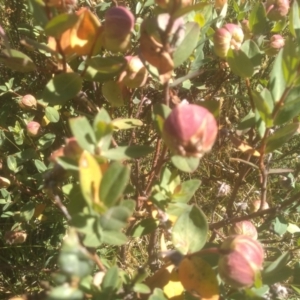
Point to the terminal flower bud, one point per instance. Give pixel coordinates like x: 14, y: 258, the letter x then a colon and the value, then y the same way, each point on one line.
x: 277, y: 9
x: 230, y: 36
x: 28, y: 102
x: 244, y: 228
x: 255, y: 205
x: 240, y: 261
x: 119, y: 22
x: 190, y: 130
x: 135, y: 75
x: 276, y: 43
x: 33, y: 128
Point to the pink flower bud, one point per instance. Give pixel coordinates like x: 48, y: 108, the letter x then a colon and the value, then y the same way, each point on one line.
x: 277, y: 9
x: 33, y: 128
x: 276, y: 43
x: 28, y: 102
x: 135, y: 75
x: 255, y: 205
x: 241, y: 260
x: 244, y: 228
x: 230, y: 36
x: 190, y: 130
x: 119, y: 22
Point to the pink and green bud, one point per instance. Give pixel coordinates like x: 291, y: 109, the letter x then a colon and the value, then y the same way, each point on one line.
x: 33, y: 128
x: 244, y: 228
x: 255, y: 205
x: 190, y: 130
x: 240, y: 261
x: 119, y: 22
x: 28, y: 102
x: 230, y: 36
x: 135, y: 75
x: 277, y: 9
x: 276, y: 43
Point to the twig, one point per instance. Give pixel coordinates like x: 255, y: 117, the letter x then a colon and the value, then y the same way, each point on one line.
x: 269, y: 211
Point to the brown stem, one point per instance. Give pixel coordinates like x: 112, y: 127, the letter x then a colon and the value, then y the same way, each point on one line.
x: 242, y: 173
x: 273, y: 210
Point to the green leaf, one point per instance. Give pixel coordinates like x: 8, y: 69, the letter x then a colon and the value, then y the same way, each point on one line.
x: 60, y: 23
x: 113, y: 184
x: 83, y: 132
x: 52, y: 114
x: 65, y: 292
x: 103, y: 128
x: 127, y: 152
x: 257, y: 20
x: 185, y: 164
x: 188, y: 44
x: 294, y: 20
x: 290, y: 108
x: 12, y: 163
x: 144, y: 227
x: 239, y: 63
x: 264, y: 104
x: 141, y: 288
x: 115, y: 218
x: 123, y: 124
x: 107, y: 65
x: 296, y: 289
x: 247, y: 122
x: 250, y: 48
x: 277, y: 83
x: 212, y: 105
x: 280, y: 225
x: 186, y: 191
x: 62, y: 88
x: 90, y: 227
x: 157, y: 294
x: 114, y: 238
x: 40, y: 166
x: 281, y: 136
x: 277, y: 270
x: 111, y: 280
x: 190, y: 231
x: 290, y: 62
x: 27, y: 211
x: 17, y: 61
x: 37, y: 8
x: 74, y: 259
x: 113, y: 93
x: 46, y: 141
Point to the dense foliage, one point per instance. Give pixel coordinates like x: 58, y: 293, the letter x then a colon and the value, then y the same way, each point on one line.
x: 149, y: 149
